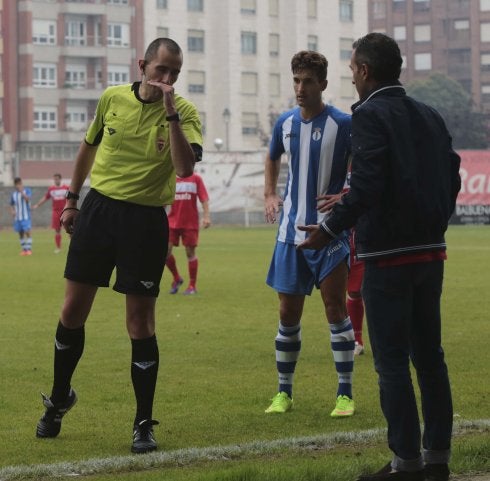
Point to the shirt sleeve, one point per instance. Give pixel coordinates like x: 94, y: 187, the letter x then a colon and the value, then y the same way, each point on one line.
x: 276, y: 147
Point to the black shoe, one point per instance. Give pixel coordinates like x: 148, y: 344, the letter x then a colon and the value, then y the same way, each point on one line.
x: 49, y: 425
x: 436, y: 472
x: 386, y: 474
x: 143, y: 439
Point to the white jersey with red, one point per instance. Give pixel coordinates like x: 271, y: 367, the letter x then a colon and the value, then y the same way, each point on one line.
x: 184, y: 213
x: 57, y: 195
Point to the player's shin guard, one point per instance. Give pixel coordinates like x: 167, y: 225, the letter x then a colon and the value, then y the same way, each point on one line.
x: 342, y: 342
x: 68, y: 349
x: 355, y: 308
x: 193, y: 264
x: 144, y: 370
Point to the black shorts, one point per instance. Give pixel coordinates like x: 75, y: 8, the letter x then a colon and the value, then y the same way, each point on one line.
x: 111, y: 233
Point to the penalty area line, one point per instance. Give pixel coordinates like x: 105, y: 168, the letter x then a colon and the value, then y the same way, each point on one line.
x: 189, y: 456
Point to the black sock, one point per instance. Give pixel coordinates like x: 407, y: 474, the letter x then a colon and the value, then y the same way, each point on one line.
x: 68, y: 350
x: 144, y: 370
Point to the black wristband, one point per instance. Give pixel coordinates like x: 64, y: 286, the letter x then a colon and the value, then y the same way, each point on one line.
x: 71, y: 195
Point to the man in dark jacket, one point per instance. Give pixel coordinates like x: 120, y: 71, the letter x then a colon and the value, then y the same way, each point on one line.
x: 404, y: 184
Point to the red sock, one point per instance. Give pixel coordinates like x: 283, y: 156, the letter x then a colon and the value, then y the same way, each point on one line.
x: 57, y: 240
x: 171, y: 264
x: 355, y: 308
x: 193, y: 263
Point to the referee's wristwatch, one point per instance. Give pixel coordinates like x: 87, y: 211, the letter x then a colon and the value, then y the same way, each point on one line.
x: 173, y: 118
x: 71, y: 195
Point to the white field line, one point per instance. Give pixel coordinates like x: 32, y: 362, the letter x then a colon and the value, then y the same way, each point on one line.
x: 189, y: 456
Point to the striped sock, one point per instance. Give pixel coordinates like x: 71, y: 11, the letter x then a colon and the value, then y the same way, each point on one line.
x: 288, y: 347
x: 342, y: 342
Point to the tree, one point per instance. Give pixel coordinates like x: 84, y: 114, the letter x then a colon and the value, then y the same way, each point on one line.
x: 468, y: 127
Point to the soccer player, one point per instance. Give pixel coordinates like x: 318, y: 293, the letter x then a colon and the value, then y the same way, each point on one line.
x: 56, y: 193
x: 142, y: 135
x: 183, y: 221
x: 316, y: 139
x: 20, y: 207
x: 404, y: 184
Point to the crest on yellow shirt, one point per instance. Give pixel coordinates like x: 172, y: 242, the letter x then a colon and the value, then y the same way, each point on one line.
x: 160, y: 144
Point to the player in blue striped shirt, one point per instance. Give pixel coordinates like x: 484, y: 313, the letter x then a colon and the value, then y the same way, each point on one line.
x: 20, y: 206
x: 315, y: 137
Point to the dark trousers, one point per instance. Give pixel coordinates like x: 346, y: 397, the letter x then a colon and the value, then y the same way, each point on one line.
x: 404, y: 322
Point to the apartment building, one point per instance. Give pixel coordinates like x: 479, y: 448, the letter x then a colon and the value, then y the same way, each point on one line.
x: 59, y: 55
x: 447, y: 36
x: 237, y: 57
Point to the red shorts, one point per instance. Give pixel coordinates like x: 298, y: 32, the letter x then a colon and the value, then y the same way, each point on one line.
x: 55, y: 219
x: 189, y: 237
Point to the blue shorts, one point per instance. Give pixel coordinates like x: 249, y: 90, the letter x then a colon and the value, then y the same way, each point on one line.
x: 22, y: 225
x: 294, y: 271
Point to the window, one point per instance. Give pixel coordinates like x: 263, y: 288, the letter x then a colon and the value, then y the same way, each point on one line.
x: 400, y: 32
x: 75, y: 33
x: 118, y: 2
x: 117, y: 35
x: 248, y: 7
x: 274, y: 85
x: 195, y: 5
x: 249, y: 83
x: 162, y: 32
x: 311, y: 9
x: 421, y: 33
x: 379, y: 9
x: 423, y: 61
x: 346, y: 48
x: 399, y: 5
x: 195, y: 40
x: 44, y: 32
x: 162, y: 4
x: 485, y: 5
x: 485, y: 62
x: 249, y: 43
x: 346, y: 10
x: 461, y: 25
x: 273, y: 44
x: 45, y: 118
x: 75, y: 76
x: 117, y: 74
x: 76, y: 117
x: 421, y: 5
x: 274, y: 8
x: 485, y: 32
x: 485, y: 90
x: 196, y: 82
x: 250, y: 122
x: 404, y: 61
x: 312, y: 42
x: 44, y: 75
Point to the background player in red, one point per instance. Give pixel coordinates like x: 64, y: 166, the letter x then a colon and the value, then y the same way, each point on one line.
x: 56, y: 193
x: 183, y: 220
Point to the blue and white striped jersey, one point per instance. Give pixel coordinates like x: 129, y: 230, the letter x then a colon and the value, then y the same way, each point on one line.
x: 318, y: 151
x: 21, y: 206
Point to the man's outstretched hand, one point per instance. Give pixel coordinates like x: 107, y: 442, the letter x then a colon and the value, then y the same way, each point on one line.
x: 317, y: 238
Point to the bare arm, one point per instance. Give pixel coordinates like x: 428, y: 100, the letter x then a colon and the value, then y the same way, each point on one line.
x: 83, y: 164
x: 40, y: 202
x: 206, y: 219
x: 271, y: 199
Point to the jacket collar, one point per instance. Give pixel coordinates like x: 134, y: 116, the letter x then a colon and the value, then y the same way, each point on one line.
x: 391, y: 89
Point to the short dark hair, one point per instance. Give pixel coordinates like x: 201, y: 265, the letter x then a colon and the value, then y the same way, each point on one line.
x: 382, y: 55
x: 168, y: 43
x: 17, y: 180
x: 57, y: 175
x: 310, y: 60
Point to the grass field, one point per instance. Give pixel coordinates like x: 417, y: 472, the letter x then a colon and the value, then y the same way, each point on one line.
x: 217, y: 372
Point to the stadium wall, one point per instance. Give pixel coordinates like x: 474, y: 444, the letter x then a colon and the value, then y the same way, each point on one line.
x: 235, y: 183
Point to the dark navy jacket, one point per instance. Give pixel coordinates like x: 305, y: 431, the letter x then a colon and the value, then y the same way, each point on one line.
x: 405, y: 177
